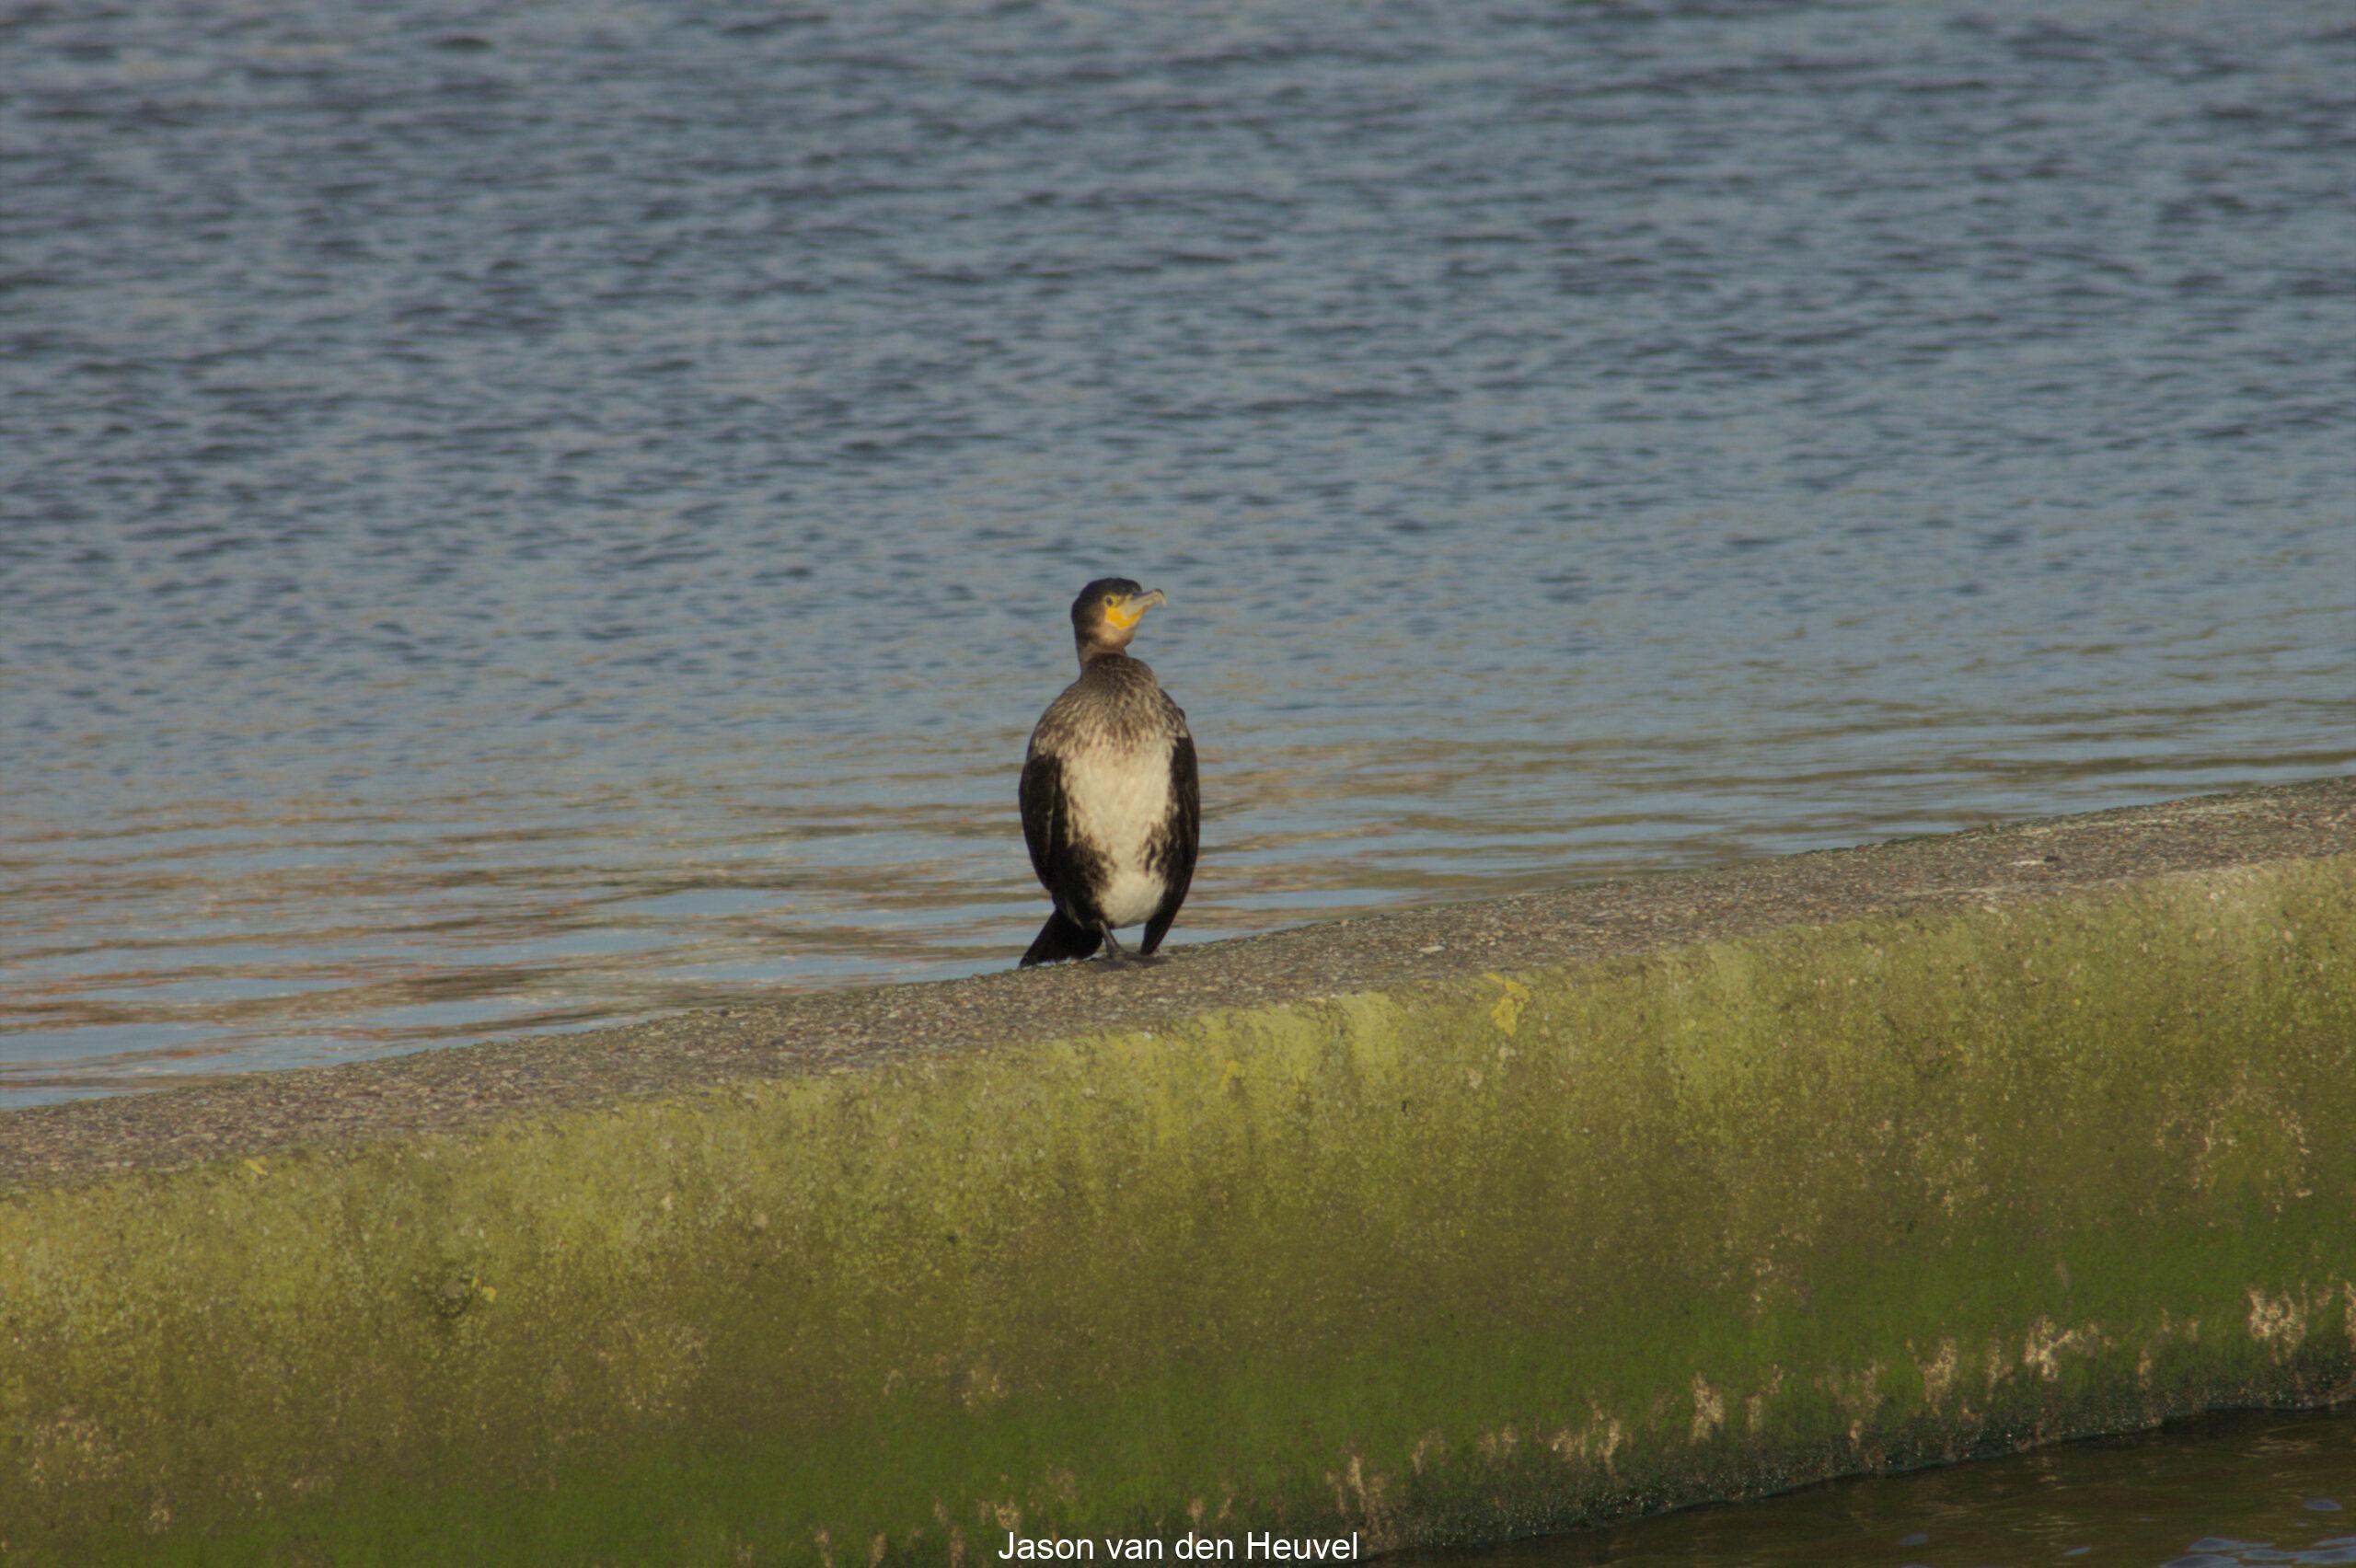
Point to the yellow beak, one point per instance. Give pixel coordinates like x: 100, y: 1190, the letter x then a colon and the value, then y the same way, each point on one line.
x: 1131, y: 610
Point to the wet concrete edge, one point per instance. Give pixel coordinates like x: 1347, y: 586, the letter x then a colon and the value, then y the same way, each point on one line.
x: 453, y: 1089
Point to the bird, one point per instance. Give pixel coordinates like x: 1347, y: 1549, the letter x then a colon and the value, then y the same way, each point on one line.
x: 1112, y: 808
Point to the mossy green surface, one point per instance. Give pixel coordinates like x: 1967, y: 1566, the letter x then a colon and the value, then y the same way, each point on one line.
x: 1446, y: 1264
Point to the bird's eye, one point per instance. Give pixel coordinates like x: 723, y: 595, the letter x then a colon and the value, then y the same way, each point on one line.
x: 1111, y: 598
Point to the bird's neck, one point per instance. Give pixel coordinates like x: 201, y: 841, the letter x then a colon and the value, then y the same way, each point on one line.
x: 1093, y: 653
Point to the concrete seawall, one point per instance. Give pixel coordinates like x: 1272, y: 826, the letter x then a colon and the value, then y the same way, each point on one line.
x: 1441, y: 1226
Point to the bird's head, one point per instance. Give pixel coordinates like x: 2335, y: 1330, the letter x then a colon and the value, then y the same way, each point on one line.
x: 1105, y: 615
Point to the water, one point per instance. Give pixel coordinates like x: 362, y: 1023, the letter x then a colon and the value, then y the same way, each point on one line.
x: 2221, y: 1493
x: 523, y: 516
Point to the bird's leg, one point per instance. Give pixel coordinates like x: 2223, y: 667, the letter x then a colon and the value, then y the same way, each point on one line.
x: 1114, y: 953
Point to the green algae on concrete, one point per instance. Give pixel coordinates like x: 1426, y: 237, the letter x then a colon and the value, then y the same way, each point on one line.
x: 1453, y: 1259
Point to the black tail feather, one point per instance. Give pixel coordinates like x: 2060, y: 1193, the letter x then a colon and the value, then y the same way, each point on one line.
x: 1060, y: 938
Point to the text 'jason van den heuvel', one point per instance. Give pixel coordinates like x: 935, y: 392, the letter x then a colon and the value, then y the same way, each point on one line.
x: 1186, y: 1548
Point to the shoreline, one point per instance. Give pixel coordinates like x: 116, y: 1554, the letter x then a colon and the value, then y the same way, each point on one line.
x: 453, y: 1088
x: 1432, y: 1227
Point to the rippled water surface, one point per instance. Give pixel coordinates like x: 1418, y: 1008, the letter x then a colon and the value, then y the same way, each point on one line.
x: 2228, y: 1492
x: 523, y: 515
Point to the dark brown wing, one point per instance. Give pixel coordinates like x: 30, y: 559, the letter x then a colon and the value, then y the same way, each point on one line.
x: 1064, y: 867
x: 1042, y: 796
x: 1174, y: 854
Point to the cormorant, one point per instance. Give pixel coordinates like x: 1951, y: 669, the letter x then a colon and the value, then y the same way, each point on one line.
x: 1110, y: 805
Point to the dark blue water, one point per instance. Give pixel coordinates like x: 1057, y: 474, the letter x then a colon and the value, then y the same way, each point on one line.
x: 515, y: 516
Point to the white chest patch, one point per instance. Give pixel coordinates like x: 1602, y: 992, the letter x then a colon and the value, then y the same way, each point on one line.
x: 1120, y: 798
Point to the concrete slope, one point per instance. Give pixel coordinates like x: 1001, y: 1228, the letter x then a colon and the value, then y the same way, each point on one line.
x: 1441, y: 1226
